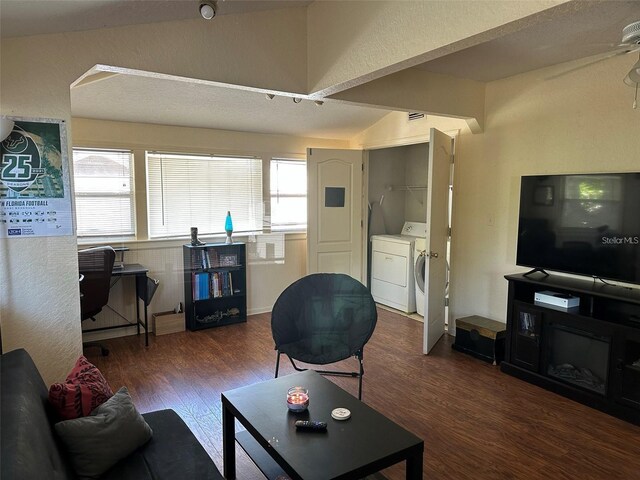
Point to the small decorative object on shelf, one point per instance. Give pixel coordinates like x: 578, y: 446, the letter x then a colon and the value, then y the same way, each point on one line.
x: 228, y: 260
x: 297, y: 399
x: 194, y: 237
x: 215, y: 283
x: 228, y: 227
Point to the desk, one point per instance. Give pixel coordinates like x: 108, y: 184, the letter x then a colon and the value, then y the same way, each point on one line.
x: 140, y: 272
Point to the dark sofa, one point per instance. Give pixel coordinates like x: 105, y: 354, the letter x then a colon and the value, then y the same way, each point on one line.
x: 30, y: 449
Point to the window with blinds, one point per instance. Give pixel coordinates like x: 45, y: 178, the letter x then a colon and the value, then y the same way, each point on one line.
x: 288, y: 194
x: 187, y: 191
x: 104, y: 193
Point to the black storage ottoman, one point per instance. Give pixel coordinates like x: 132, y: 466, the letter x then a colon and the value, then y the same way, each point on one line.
x: 481, y: 337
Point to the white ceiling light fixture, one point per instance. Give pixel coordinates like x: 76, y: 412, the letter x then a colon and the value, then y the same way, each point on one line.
x: 6, y: 127
x: 633, y: 80
x: 208, y: 9
x: 296, y: 100
x: 319, y: 102
x: 630, y: 44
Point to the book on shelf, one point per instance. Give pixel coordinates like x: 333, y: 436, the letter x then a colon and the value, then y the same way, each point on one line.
x: 206, y: 264
x: 200, y: 286
x: 214, y: 259
x: 220, y: 284
x: 214, y: 285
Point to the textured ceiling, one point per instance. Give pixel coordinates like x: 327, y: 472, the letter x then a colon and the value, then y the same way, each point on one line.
x: 168, y: 102
x: 593, y: 28
x: 34, y: 17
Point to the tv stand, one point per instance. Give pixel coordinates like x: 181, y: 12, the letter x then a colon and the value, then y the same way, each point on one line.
x: 536, y: 270
x: 590, y: 354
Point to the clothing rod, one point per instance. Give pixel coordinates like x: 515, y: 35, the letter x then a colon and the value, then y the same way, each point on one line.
x: 406, y: 187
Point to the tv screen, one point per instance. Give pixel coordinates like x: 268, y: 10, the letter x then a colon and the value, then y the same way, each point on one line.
x: 583, y: 224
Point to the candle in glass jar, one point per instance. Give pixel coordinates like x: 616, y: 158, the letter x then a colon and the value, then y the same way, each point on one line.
x: 297, y: 399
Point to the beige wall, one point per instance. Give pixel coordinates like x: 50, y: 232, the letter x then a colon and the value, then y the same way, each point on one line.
x: 579, y: 122
x: 39, y: 305
x: 396, y: 129
x: 266, y: 278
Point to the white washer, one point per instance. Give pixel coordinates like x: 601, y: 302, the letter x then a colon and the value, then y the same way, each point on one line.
x: 419, y: 254
x: 392, y: 279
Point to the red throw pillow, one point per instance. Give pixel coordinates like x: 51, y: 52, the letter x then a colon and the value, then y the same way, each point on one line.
x: 84, y: 389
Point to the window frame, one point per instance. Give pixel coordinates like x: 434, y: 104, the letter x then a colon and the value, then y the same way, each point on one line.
x: 201, y: 156
x: 287, y: 227
x: 131, y: 234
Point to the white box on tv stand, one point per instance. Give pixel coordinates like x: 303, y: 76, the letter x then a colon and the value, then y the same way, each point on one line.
x: 556, y: 300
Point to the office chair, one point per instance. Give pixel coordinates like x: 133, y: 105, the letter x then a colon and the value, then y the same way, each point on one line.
x: 95, y: 266
x: 321, y: 319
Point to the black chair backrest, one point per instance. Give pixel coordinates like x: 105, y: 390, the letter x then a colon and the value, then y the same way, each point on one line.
x: 323, y: 318
x: 96, y: 264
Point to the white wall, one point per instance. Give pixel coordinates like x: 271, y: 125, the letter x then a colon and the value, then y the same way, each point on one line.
x: 416, y: 174
x: 579, y: 122
x: 396, y: 129
x: 265, y: 279
x: 39, y: 301
x: 386, y: 167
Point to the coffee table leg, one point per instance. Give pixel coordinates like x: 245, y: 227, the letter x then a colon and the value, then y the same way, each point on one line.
x: 414, y: 467
x: 228, y: 443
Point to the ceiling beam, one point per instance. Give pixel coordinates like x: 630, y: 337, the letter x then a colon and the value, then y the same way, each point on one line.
x: 414, y: 90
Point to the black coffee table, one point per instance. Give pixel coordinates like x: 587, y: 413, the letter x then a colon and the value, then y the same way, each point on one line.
x: 351, y: 449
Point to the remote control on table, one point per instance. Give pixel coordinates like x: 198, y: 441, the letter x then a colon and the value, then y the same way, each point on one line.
x: 309, y: 425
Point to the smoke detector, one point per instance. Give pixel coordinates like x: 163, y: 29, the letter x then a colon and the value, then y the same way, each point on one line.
x: 208, y: 9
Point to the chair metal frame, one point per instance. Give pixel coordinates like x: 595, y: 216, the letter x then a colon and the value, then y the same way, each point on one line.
x: 335, y: 373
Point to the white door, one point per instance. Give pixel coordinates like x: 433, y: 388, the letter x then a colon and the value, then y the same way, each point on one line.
x: 334, y: 207
x: 435, y: 270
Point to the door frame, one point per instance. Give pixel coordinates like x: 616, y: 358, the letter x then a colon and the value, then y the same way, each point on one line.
x: 403, y: 142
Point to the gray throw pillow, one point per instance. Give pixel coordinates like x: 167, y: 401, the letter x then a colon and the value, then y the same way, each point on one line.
x: 108, y: 434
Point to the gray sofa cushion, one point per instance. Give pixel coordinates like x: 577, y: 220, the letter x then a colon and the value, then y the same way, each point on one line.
x: 98, y: 441
x: 173, y: 452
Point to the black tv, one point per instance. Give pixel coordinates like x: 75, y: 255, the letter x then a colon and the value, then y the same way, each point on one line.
x: 586, y: 224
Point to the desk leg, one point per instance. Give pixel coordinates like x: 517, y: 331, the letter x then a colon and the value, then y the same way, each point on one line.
x: 414, y: 467
x: 138, y: 313
x: 140, y: 284
x: 228, y: 443
x: 146, y: 326
x: 142, y: 294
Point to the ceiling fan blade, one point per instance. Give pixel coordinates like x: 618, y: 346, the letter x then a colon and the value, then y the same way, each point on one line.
x: 592, y: 62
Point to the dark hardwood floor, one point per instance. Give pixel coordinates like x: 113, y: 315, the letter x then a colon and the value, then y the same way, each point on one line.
x: 477, y: 423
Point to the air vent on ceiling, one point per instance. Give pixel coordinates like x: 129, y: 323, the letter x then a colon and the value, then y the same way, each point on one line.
x: 416, y: 116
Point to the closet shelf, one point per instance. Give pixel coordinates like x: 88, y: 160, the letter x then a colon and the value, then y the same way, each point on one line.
x: 406, y: 187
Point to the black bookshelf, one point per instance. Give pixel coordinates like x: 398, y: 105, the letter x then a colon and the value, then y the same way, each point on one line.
x: 215, y: 284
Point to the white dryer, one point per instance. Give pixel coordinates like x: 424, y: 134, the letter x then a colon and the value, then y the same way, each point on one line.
x: 419, y: 255
x: 392, y: 261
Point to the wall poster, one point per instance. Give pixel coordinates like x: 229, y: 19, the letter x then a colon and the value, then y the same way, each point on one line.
x: 35, y: 193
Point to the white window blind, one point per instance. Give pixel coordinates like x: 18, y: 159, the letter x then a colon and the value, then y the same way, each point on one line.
x: 288, y: 194
x: 187, y: 191
x: 103, y: 182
